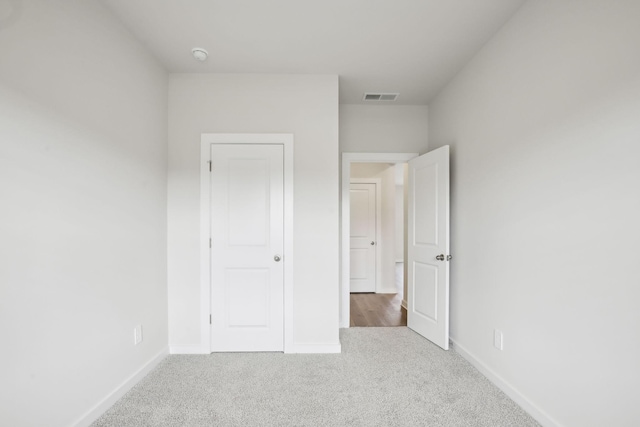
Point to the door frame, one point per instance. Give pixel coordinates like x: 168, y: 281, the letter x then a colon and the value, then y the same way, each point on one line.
x: 378, y: 183
x: 345, y: 181
x: 206, y: 139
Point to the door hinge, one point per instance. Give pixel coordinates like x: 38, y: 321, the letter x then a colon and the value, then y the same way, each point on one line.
x: 209, y: 242
x: 209, y: 165
x: 210, y: 322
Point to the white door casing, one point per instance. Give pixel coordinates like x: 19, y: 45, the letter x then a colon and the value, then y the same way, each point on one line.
x: 247, y: 221
x: 363, y: 236
x: 428, y: 246
x: 247, y: 318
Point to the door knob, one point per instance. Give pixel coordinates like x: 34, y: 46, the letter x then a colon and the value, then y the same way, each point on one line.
x: 373, y: 243
x: 440, y: 257
x: 276, y: 258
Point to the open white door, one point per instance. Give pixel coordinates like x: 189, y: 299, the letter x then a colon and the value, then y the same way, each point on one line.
x: 428, y: 246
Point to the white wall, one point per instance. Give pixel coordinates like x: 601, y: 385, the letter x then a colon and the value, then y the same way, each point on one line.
x: 83, y: 113
x: 386, y: 173
x: 400, y: 169
x: 544, y: 126
x: 306, y: 106
x: 383, y: 128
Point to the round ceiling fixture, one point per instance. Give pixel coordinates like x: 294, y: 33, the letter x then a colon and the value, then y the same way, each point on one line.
x: 199, y: 53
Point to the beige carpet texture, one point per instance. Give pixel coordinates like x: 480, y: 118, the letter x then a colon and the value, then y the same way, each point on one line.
x: 384, y: 377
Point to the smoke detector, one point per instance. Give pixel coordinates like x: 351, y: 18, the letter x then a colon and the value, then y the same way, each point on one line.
x: 380, y: 96
x: 199, y: 53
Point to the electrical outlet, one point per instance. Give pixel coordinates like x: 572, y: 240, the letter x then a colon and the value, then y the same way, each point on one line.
x: 137, y: 334
x: 498, y: 339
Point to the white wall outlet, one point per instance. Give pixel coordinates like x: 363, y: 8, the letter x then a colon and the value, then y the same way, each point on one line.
x: 137, y: 334
x: 497, y: 339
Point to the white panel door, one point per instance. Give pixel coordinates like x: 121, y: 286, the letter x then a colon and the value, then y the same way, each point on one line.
x: 247, y: 229
x: 363, y: 238
x: 428, y: 246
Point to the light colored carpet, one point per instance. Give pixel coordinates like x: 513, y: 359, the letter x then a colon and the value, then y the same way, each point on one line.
x: 384, y: 377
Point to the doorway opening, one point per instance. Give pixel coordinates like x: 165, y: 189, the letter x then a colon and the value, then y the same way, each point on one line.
x: 427, y: 254
x: 377, y: 234
x: 385, y: 303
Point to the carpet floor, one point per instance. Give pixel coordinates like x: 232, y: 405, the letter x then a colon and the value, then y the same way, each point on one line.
x: 384, y: 377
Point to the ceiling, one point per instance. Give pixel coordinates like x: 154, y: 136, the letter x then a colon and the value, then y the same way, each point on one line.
x: 408, y: 46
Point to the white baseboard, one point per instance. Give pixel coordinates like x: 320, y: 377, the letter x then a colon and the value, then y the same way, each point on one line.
x: 316, y: 348
x: 393, y: 290
x: 106, y: 403
x: 187, y: 349
x: 296, y: 348
x: 531, y: 408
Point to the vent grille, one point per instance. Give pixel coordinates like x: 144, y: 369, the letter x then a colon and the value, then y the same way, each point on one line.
x: 380, y: 96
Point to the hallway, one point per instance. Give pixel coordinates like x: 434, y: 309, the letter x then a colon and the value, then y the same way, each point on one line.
x: 370, y: 309
x: 377, y: 310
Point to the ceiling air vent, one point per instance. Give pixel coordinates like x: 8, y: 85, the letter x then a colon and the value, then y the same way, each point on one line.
x: 380, y: 96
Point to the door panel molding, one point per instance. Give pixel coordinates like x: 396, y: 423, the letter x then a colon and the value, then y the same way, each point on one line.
x: 286, y: 140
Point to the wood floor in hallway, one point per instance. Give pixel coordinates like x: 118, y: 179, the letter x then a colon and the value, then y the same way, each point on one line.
x: 377, y: 310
